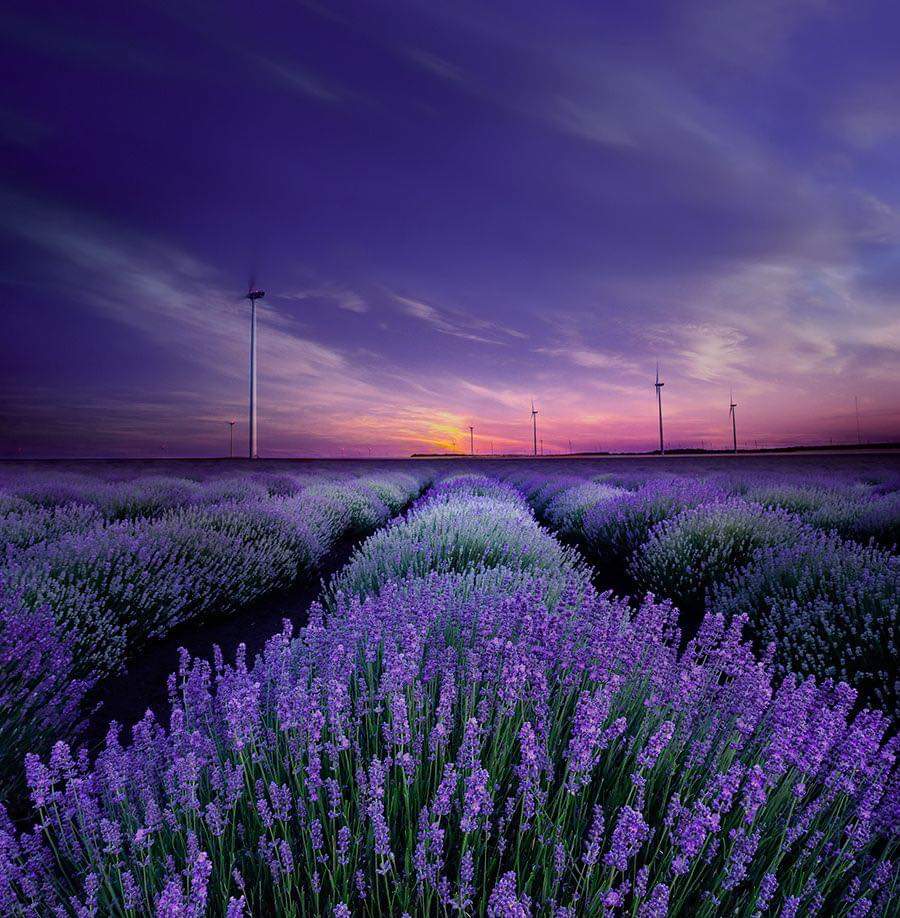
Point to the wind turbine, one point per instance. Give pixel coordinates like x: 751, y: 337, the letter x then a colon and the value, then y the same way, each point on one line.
x: 731, y: 408
x: 659, y: 386
x: 534, y: 414
x: 231, y: 424
x: 471, y: 440
x: 253, y: 295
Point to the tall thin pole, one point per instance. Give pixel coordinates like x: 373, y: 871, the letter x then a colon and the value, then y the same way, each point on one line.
x: 253, y: 296
x: 231, y: 439
x: 858, y: 432
x: 731, y: 406
x: 534, y: 415
x: 253, y: 442
x: 659, y: 386
x: 471, y: 440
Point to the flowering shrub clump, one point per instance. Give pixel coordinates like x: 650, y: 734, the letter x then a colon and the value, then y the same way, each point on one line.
x: 427, y: 749
x: 114, y: 586
x: 28, y: 525
x: 827, y: 607
x: 464, y: 524
x: 52, y: 489
x: 40, y: 697
x: 854, y: 513
x: 393, y: 490
x: 539, y: 488
x: 613, y: 529
x: 684, y: 556
x: 567, y: 510
x: 878, y: 520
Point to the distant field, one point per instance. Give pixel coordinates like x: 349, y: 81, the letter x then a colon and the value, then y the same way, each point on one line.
x: 527, y: 686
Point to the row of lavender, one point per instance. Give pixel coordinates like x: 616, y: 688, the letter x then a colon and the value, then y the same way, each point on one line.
x: 810, y: 562
x: 94, y: 570
x: 467, y: 727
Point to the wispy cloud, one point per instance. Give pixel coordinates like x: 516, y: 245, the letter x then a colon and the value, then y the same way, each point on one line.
x: 336, y: 294
x: 291, y: 77
x: 457, y: 323
x: 591, y: 359
x: 437, y: 65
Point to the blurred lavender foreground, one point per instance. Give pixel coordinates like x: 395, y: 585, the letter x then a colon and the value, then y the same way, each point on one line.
x: 478, y: 732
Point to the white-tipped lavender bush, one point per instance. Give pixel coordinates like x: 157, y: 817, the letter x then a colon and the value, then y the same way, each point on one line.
x: 684, y: 556
x: 613, y: 529
x: 567, y: 510
x: 112, y: 587
x: 853, y: 512
x: 454, y: 530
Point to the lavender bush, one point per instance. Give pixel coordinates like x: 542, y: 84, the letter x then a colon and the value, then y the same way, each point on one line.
x: 28, y: 525
x: 113, y: 587
x: 540, y: 488
x: 40, y: 697
x: 827, y: 607
x: 613, y: 529
x: 430, y: 750
x: 684, y: 556
x: 567, y: 510
x: 852, y: 511
x: 458, y: 527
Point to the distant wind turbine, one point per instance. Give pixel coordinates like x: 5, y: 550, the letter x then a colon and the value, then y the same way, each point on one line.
x: 731, y: 408
x: 471, y: 440
x: 534, y: 414
x: 231, y: 424
x: 659, y: 386
x: 253, y: 295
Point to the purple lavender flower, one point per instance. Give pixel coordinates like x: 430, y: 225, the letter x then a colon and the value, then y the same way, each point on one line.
x: 594, y: 841
x: 465, y: 889
x: 504, y: 901
x: 767, y: 888
x: 657, y: 904
x: 630, y: 833
x: 478, y: 802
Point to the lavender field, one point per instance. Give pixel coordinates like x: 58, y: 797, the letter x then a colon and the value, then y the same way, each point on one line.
x: 637, y: 688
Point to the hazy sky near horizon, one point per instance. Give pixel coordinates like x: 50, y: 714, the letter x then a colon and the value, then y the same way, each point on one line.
x: 455, y: 208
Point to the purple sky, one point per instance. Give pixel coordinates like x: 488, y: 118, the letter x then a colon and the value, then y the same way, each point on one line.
x: 455, y: 208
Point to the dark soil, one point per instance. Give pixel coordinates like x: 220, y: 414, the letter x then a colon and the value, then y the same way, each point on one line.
x: 125, y: 698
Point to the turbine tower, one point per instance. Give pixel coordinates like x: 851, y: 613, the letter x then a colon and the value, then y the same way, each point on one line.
x: 731, y: 408
x: 659, y: 386
x: 534, y: 414
x: 471, y: 440
x: 231, y: 424
x: 253, y: 295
